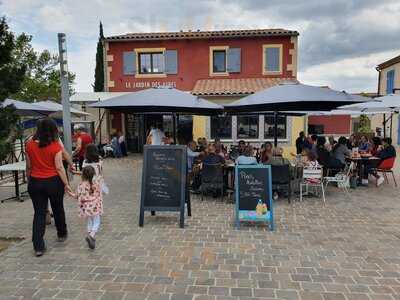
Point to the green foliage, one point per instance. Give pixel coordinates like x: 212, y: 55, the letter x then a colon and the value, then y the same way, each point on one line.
x: 364, y: 125
x: 99, y: 71
x: 42, y: 78
x: 11, y: 76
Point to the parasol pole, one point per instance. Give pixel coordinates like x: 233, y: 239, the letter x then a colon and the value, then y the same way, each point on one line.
x: 275, y: 129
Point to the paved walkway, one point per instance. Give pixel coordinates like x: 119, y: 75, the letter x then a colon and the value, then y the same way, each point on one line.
x: 348, y: 249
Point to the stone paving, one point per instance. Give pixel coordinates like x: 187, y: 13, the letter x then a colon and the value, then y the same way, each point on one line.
x: 347, y: 249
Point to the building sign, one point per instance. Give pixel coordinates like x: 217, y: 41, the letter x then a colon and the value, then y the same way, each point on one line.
x: 149, y: 84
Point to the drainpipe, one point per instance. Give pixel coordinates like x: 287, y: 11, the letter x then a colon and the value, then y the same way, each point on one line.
x: 379, y: 94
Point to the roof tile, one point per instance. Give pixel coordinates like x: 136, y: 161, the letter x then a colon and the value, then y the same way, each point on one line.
x: 243, y: 86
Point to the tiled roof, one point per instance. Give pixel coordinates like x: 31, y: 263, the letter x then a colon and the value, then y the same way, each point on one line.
x: 201, y: 34
x: 389, y: 62
x: 231, y: 87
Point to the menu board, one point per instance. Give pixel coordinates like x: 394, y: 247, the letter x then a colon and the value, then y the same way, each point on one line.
x: 163, y: 180
x: 254, y: 194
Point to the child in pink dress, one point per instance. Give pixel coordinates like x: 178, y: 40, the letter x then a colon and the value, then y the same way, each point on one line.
x: 90, y: 201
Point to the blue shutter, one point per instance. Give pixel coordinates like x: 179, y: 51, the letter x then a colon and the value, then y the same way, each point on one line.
x: 390, y: 82
x: 171, y: 62
x: 129, y: 62
x: 272, y: 59
x: 234, y: 61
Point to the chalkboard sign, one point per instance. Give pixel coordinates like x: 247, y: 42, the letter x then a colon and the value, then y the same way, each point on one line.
x: 253, y: 189
x: 163, y: 180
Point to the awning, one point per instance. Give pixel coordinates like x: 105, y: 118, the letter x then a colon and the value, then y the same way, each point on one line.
x: 160, y: 100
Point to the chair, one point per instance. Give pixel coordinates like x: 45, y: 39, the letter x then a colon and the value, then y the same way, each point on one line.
x: 281, y: 176
x: 342, y: 179
x: 386, y: 166
x: 212, y: 178
x: 313, y: 178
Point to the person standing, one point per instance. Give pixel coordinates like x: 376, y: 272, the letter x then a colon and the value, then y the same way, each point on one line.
x: 156, y: 135
x: 300, y: 142
x: 82, y: 140
x: 46, y: 181
x: 122, y: 144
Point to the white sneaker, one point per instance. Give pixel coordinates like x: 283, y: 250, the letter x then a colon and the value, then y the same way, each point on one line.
x: 379, y: 181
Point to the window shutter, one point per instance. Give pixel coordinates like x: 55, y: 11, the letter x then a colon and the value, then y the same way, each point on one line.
x: 272, y: 59
x: 234, y: 60
x: 129, y: 63
x: 390, y: 82
x: 171, y: 61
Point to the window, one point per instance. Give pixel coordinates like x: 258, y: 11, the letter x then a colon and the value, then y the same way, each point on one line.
x: 221, y: 127
x: 269, y: 127
x: 219, y: 61
x: 389, y: 82
x: 151, y: 63
x: 272, y: 59
x: 247, y: 127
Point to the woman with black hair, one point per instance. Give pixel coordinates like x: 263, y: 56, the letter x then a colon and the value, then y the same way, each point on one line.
x: 340, y: 151
x: 47, y: 180
x: 324, y: 156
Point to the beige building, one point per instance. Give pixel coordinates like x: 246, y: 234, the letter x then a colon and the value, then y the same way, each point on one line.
x: 388, y: 83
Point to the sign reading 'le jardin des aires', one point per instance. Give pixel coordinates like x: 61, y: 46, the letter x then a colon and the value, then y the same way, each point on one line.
x: 164, y: 180
x: 254, y: 194
x: 149, y: 84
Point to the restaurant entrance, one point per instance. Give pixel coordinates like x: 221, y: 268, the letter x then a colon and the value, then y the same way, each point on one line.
x: 138, y: 127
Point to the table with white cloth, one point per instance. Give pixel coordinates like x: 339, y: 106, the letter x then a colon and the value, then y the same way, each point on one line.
x: 15, y: 168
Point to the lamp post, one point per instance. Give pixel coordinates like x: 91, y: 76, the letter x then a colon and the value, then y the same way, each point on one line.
x: 62, y: 48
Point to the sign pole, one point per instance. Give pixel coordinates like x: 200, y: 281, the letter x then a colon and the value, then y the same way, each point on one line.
x: 62, y: 47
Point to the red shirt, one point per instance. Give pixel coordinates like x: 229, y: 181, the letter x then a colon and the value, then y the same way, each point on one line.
x: 86, y: 139
x: 42, y: 159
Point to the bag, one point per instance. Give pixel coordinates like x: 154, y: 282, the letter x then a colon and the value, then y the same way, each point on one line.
x: 104, y: 188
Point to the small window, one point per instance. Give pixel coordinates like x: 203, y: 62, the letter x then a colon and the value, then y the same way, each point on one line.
x: 247, y: 127
x: 221, y: 127
x: 269, y: 127
x: 272, y: 59
x: 151, y: 63
x: 219, y: 61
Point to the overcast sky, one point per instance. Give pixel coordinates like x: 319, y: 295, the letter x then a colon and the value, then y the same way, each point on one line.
x: 340, y: 42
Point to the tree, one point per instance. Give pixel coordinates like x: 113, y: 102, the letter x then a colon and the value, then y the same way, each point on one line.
x: 11, y: 77
x: 364, y: 125
x: 99, y: 71
x: 42, y: 77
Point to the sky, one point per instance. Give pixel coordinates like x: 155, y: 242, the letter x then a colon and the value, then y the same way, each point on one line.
x: 340, y: 43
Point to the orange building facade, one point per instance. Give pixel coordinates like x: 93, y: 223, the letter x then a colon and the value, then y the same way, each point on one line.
x: 221, y: 66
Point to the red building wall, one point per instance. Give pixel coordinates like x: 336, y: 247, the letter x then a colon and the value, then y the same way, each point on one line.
x: 193, y: 60
x: 335, y: 125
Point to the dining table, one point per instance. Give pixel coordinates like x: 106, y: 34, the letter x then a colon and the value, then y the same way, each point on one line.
x: 361, y: 161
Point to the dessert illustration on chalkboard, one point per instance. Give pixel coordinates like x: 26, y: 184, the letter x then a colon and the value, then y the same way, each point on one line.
x: 260, y: 212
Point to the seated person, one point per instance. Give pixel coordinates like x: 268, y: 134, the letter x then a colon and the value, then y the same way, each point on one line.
x: 241, y: 147
x: 115, y: 146
x: 192, y: 154
x: 220, y: 149
x: 266, y: 152
x: 212, y: 157
x: 341, y: 151
x: 312, y: 162
x: 324, y: 156
x: 313, y: 139
x: 387, y: 152
x: 364, y: 145
x: 352, y: 142
x: 376, y: 145
x: 247, y: 158
x: 277, y: 158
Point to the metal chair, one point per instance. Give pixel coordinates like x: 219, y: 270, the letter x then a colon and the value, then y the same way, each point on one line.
x: 342, y: 179
x: 313, y: 178
x: 281, y: 176
x: 212, y: 178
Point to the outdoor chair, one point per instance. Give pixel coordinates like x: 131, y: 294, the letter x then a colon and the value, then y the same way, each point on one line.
x: 312, y: 178
x: 281, y: 176
x: 385, y: 167
x: 212, y: 179
x: 342, y: 179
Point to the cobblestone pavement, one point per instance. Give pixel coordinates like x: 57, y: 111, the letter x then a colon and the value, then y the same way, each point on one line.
x: 347, y: 249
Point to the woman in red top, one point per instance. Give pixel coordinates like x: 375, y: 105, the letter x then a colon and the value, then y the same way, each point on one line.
x: 46, y: 181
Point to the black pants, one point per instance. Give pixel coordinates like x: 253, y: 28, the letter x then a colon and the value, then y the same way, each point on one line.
x: 41, y: 191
